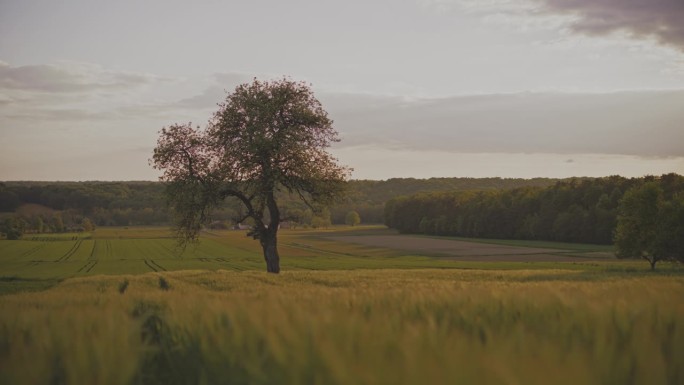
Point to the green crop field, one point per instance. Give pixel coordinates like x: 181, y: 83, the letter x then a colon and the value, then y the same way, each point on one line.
x: 125, y: 306
x: 46, y: 259
x: 39, y: 261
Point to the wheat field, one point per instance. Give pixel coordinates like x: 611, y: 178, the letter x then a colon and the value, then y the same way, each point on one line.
x: 430, y: 326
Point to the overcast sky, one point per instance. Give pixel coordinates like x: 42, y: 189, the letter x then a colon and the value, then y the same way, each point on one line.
x: 417, y: 88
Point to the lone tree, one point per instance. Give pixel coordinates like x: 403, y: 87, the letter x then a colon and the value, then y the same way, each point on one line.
x: 352, y: 218
x: 649, y: 226
x: 268, y: 138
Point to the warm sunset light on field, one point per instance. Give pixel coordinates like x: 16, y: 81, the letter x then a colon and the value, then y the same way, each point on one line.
x: 342, y: 192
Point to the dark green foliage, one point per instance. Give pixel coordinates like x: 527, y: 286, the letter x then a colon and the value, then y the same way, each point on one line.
x: 368, y: 197
x: 9, y: 200
x: 268, y: 139
x: 13, y: 228
x: 574, y: 210
x: 353, y: 218
x: 164, y: 284
x: 123, y: 286
x: 143, y: 203
x: 102, y: 203
x: 650, y: 223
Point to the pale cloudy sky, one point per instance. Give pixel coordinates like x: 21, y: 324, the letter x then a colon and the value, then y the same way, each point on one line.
x: 417, y: 88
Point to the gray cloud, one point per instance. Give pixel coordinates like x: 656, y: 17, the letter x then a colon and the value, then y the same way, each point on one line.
x: 39, y: 78
x: 53, y: 115
x: 68, y: 78
x: 661, y: 19
x: 642, y: 123
x: 75, y: 92
x: 628, y: 123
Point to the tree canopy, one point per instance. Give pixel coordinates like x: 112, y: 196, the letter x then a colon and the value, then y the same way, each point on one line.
x: 353, y: 218
x: 580, y: 210
x: 268, y: 137
x: 650, y: 224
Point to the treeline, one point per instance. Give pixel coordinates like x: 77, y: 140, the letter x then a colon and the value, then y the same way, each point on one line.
x: 575, y: 210
x: 61, y: 206
x: 368, y: 197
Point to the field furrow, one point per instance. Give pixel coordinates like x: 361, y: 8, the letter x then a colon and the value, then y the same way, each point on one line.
x: 70, y: 252
x: 88, y: 266
x: 150, y: 265
x: 34, y: 248
x: 157, y: 265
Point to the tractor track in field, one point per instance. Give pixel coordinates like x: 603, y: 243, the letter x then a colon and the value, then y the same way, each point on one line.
x: 167, y: 248
x: 158, y: 265
x: 33, y: 250
x: 108, y: 248
x: 231, y: 264
x: 98, y: 246
x: 92, y: 251
x: 92, y: 260
x: 91, y: 267
x: 70, y: 252
x: 150, y: 266
x: 224, y: 262
x: 154, y: 265
x: 302, y: 246
x: 88, y: 266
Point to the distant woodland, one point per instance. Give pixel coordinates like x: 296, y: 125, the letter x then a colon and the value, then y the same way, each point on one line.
x: 62, y: 206
x: 572, y: 210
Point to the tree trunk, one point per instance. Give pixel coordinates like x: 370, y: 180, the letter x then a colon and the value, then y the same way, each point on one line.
x: 270, y: 235
x: 652, y: 262
x: 270, y: 247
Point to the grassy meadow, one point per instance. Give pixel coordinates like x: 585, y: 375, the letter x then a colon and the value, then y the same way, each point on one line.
x: 121, y: 306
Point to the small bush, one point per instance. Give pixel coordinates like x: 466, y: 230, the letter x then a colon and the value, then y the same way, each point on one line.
x: 123, y: 286
x: 164, y: 284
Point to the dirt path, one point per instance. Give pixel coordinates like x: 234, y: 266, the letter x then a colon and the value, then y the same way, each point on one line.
x: 467, y: 251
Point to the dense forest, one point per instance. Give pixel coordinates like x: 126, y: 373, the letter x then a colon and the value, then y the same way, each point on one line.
x: 572, y: 210
x: 368, y: 197
x: 575, y: 210
x: 59, y: 206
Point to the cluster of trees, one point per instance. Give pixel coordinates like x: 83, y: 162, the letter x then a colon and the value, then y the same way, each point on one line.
x: 84, y: 196
x: 650, y: 222
x: 143, y: 203
x: 368, y: 197
x: 576, y: 210
x: 38, y: 204
x: 13, y: 227
x: 54, y: 207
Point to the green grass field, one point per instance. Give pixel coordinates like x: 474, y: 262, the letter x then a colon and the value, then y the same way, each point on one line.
x: 40, y: 261
x: 122, y: 306
x: 50, y: 258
